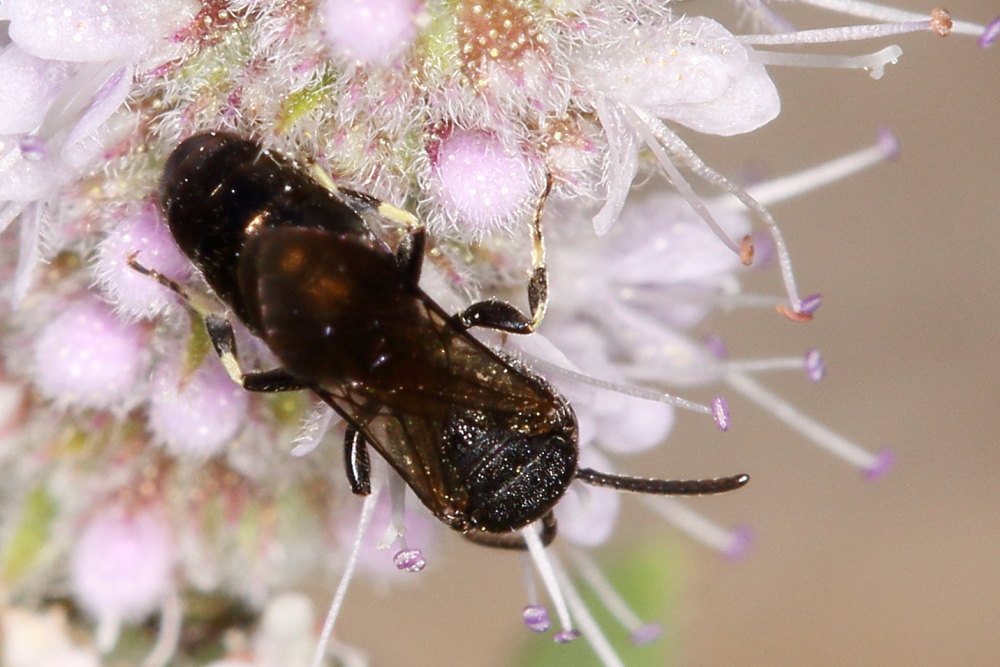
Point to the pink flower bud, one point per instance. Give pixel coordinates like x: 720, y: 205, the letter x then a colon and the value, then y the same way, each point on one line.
x: 121, y: 564
x: 195, y: 416
x: 479, y: 184
x: 87, y: 357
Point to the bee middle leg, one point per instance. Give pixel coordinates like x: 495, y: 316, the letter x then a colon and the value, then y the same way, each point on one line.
x: 220, y: 332
x: 503, y: 316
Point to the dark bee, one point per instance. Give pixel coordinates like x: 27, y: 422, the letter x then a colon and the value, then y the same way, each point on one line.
x: 486, y: 444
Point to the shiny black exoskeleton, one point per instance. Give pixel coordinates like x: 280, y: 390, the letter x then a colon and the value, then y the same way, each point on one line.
x: 487, y: 445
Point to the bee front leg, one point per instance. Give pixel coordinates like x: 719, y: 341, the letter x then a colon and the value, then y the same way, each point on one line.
x: 357, y: 462
x: 410, y: 253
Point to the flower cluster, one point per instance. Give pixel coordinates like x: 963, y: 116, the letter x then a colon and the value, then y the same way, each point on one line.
x: 138, y: 478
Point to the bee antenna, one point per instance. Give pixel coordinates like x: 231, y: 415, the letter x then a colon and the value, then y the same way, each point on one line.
x: 662, y: 487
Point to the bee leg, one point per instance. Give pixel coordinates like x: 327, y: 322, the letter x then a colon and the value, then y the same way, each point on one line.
x: 220, y: 332
x: 500, y: 315
x: 514, y: 540
x: 410, y: 253
x: 363, y: 203
x: 357, y: 462
x: 192, y: 301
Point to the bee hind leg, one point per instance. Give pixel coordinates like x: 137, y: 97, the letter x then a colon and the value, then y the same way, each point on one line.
x: 357, y: 462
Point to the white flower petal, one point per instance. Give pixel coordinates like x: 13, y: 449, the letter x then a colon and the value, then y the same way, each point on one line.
x: 25, y: 179
x: 93, y: 30
x: 89, y: 135
x: 690, y: 70
x: 623, y: 161
x: 750, y: 101
x: 29, y: 86
x: 587, y: 514
x: 662, y: 242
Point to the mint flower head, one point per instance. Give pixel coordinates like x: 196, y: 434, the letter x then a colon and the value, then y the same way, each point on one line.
x: 142, y: 483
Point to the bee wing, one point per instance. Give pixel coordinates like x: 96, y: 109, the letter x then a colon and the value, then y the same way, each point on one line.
x: 410, y: 444
x: 340, y: 313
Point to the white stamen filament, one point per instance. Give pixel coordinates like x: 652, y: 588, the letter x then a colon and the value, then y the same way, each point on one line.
x: 367, y: 509
x: 548, y: 575
x: 786, y: 187
x: 28, y: 254
x: 873, y: 63
x: 75, y: 97
x: 832, y: 442
x: 761, y: 365
x: 397, y: 524
x: 677, y: 179
x: 851, y: 33
x: 698, y: 526
x: 690, y: 159
x: 530, y: 588
x: 609, y: 597
x: 169, y: 634
x: 588, y: 626
x: 870, y: 10
x: 637, y: 392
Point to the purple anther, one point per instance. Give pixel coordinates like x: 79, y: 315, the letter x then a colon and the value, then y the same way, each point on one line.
x: 536, y: 617
x: 811, y: 304
x: 720, y: 413
x: 990, y: 34
x: 884, y: 461
x: 565, y: 636
x: 409, y: 560
x: 740, y: 541
x: 32, y: 147
x: 887, y: 143
x: 815, y: 367
x: 715, y: 345
x: 646, y: 634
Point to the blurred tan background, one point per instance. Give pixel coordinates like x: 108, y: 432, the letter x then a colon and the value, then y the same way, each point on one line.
x: 904, y: 571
